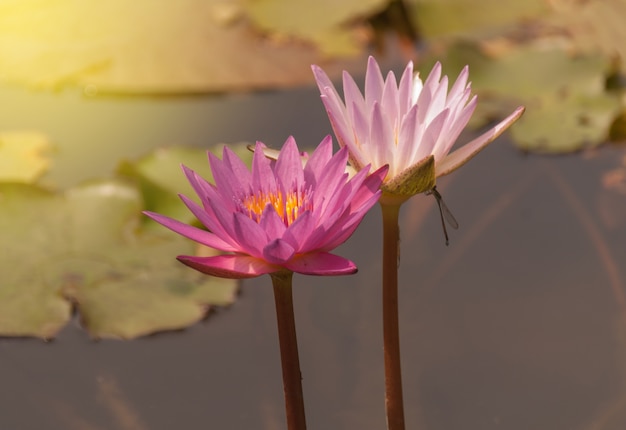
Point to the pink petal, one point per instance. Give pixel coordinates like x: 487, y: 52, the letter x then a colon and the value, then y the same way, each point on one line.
x: 316, y: 240
x: 345, y: 226
x: 271, y: 223
x: 278, y: 251
x: 201, y: 236
x: 225, y: 181
x: 335, y: 173
x: 263, y: 178
x: 465, y: 153
x: 348, y: 224
x: 224, y: 218
x: 321, y: 263
x: 237, y: 167
x: 341, y: 199
x: 249, y: 234
x: 314, y: 168
x: 369, y: 189
x: 288, y: 167
x: 203, y: 189
x: 340, y: 223
x: 229, y: 266
x: 300, y: 230
x: 210, y: 221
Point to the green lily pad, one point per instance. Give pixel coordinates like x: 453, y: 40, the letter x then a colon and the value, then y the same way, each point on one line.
x: 83, y: 248
x: 147, y: 47
x: 592, y: 26
x: 567, y: 105
x: 464, y: 17
x: 311, y: 21
x: 22, y: 156
x: 565, y: 123
x: 161, y: 179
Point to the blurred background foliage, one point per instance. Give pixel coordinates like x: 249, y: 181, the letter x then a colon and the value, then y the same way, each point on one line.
x: 555, y: 56
x: 563, y: 59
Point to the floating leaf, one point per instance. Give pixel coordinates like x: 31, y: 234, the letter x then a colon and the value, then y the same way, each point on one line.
x: 462, y: 17
x: 322, y: 22
x: 593, y: 26
x: 84, y: 247
x: 565, y: 123
x: 161, y: 178
x: 22, y: 156
x: 146, y: 47
x: 617, y: 131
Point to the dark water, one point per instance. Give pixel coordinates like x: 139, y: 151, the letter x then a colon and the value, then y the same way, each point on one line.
x: 515, y: 325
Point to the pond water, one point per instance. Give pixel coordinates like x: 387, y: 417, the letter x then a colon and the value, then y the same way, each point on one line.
x: 519, y: 324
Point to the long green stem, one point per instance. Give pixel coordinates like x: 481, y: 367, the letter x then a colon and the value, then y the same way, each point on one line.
x: 292, y: 378
x: 391, y: 333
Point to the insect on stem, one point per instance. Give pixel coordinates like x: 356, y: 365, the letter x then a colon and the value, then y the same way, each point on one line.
x: 444, y: 213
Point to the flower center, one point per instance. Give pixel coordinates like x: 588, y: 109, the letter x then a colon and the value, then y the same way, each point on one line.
x: 288, y: 206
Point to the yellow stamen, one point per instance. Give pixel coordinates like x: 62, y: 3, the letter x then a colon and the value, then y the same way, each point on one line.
x: 288, y: 206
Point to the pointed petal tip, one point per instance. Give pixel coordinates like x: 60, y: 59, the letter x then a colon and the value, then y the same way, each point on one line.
x: 382, y: 172
x: 465, y: 153
x: 290, y: 141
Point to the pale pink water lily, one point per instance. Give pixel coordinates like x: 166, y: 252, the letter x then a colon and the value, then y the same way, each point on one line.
x: 283, y: 215
x: 405, y: 124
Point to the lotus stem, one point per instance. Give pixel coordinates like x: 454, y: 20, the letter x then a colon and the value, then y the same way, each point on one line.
x: 292, y: 378
x: 391, y: 334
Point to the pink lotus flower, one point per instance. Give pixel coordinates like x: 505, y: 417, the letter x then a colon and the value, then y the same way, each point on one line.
x: 280, y: 216
x: 404, y: 125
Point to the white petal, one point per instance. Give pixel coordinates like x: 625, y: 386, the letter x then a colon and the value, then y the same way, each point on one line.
x: 438, y: 100
x: 456, y: 126
x: 462, y: 155
x: 389, y: 101
x: 381, y: 138
x: 406, y: 142
x: 432, y: 81
x: 431, y: 135
x: 337, y: 115
x: 324, y: 83
x: 460, y: 85
x: 359, y: 145
x: 404, y: 90
x: 373, y: 83
x: 417, y: 88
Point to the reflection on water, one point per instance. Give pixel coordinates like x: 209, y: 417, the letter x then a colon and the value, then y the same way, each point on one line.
x: 519, y: 324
